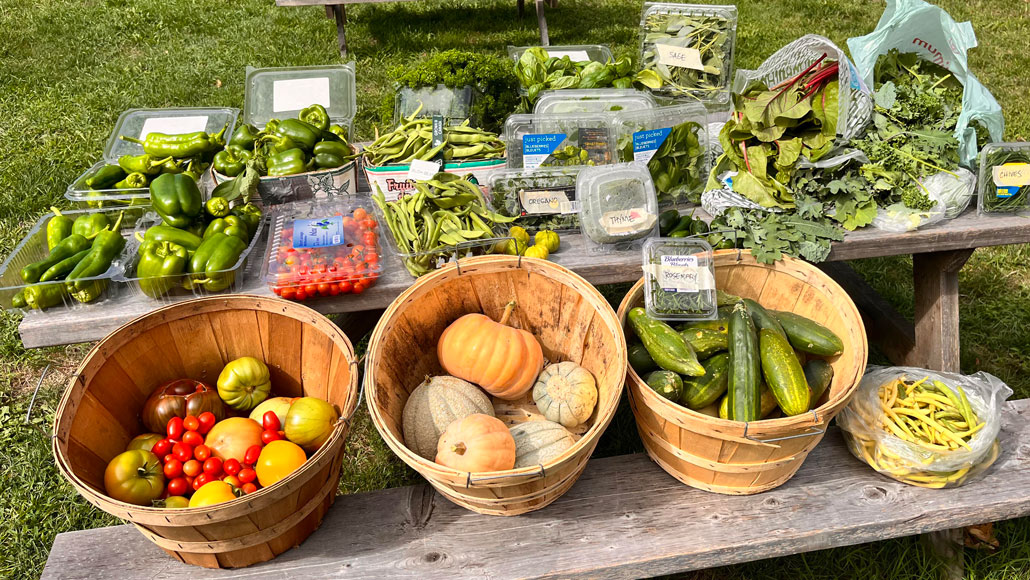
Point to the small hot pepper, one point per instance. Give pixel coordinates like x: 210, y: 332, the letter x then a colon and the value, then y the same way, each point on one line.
x: 105, y: 177
x: 194, y: 168
x: 213, y: 258
x: 162, y: 233
x: 217, y: 207
x: 339, y: 131
x: 244, y: 136
x: 316, y: 116
x: 132, y: 181
x: 231, y: 161
x: 68, y: 247
x: 58, y: 228
x: 176, y: 198
x: 303, y: 135
x: 161, y: 266
x: 43, y: 296
x: 182, y: 145
x: 106, y: 247
x: 145, y: 164
x: 173, y: 166
x: 289, y: 162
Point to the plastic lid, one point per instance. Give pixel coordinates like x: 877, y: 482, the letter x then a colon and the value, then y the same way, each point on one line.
x: 281, y: 93
x: 593, y: 101
x: 679, y: 279
x: 454, y: 105
x: 139, y: 123
x: 575, y: 52
x: 324, y: 231
x: 559, y: 140
x: 1004, y: 181
x: 617, y: 203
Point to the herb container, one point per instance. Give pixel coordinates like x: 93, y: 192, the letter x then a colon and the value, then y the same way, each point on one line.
x: 679, y: 279
x: 1004, y: 178
x: 453, y: 104
x: 593, y: 101
x: 688, y: 49
x: 617, y: 205
x: 558, y: 140
x: 542, y: 199
x: 575, y: 52
x: 673, y: 143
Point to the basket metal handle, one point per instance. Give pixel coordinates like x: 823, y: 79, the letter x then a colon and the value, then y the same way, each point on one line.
x: 813, y: 430
x: 32, y: 403
x: 469, y: 480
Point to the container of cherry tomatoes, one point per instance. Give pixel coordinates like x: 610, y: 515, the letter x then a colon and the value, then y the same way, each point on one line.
x: 322, y: 248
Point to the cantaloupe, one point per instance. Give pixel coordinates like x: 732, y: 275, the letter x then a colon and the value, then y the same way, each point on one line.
x: 434, y: 405
x: 537, y: 442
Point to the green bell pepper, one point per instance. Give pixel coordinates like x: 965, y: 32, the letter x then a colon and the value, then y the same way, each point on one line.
x: 132, y: 181
x: 198, y: 143
x: 289, y: 162
x: 302, y: 134
x: 316, y: 116
x: 89, y: 225
x: 18, y: 300
x: 173, y: 165
x: 43, y: 296
x: 244, y: 136
x: 217, y: 207
x: 271, y: 126
x: 58, y: 228
x: 329, y: 154
x: 105, y: 177
x: 339, y: 131
x: 251, y: 215
x: 194, y: 169
x: 209, y: 263
x: 145, y: 164
x: 231, y: 161
x: 232, y: 225
x: 68, y: 247
x: 63, y: 267
x: 162, y: 233
x: 106, y: 247
x: 273, y: 144
x: 176, y: 198
x: 160, y: 268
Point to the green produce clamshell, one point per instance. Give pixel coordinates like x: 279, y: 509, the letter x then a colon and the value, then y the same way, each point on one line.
x: 559, y: 140
x: 453, y: 104
x: 139, y: 123
x: 281, y: 93
x: 593, y: 101
x: 1004, y: 183
x: 679, y: 279
x: 541, y: 199
x: 575, y: 52
x: 618, y: 207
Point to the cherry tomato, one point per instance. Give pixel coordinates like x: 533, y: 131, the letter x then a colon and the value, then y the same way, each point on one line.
x: 249, y: 488
x: 200, y: 480
x: 192, y: 438
x: 323, y: 289
x: 300, y: 294
x: 178, y: 486
x: 231, y: 466
x: 191, y: 423
x: 182, y: 452
x: 289, y: 293
x: 192, y: 468
x: 207, y: 421
x: 334, y: 289
x: 213, y: 466
x: 175, y: 428
x: 359, y: 287
x: 252, y: 454
x: 232, y: 480
x: 311, y: 289
x: 201, y: 452
x: 247, y: 475
x: 360, y: 214
x: 162, y: 448
x: 270, y: 421
x: 346, y: 286
x: 173, y: 469
x: 369, y: 238
x: 269, y: 436
x: 369, y: 223
x: 167, y: 458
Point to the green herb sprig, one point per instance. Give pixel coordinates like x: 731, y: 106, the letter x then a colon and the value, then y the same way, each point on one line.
x: 770, y: 235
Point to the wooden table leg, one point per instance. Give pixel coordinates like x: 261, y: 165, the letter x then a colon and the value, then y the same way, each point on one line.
x: 339, y: 12
x: 542, y: 21
x: 522, y: 7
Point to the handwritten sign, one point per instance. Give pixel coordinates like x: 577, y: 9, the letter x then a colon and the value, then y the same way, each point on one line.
x: 679, y: 56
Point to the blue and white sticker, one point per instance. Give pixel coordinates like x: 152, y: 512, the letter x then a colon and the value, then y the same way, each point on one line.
x: 537, y: 147
x: 318, y: 233
x: 647, y: 143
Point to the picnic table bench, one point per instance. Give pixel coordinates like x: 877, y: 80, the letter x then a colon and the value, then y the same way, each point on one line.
x: 624, y: 518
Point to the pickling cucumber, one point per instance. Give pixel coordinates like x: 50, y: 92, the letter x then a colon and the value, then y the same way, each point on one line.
x: 808, y: 335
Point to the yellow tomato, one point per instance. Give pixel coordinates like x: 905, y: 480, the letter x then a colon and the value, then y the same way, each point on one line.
x: 278, y: 459
x: 177, y: 502
x: 212, y: 493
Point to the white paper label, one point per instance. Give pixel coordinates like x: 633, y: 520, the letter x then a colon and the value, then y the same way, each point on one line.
x: 420, y: 170
x: 173, y: 125
x: 682, y: 274
x: 1010, y: 178
x: 574, y: 55
x: 624, y: 221
x: 546, y: 202
x: 679, y: 56
x: 296, y: 94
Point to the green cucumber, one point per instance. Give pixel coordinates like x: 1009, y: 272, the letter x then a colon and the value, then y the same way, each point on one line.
x: 640, y: 360
x: 668, y: 349
x: 783, y: 372
x: 703, y: 391
x: 762, y: 319
x: 818, y: 375
x: 768, y: 404
x: 705, y: 342
x: 744, y: 383
x: 808, y: 335
x: 718, y: 325
x: 725, y: 298
x: 666, y: 383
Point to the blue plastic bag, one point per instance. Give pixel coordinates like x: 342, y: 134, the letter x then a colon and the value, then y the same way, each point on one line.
x: 915, y: 26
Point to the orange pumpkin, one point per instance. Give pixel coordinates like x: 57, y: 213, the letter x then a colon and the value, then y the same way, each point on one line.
x: 476, y: 443
x: 505, y: 361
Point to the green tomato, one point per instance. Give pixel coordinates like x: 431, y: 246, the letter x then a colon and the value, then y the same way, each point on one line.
x: 135, y: 477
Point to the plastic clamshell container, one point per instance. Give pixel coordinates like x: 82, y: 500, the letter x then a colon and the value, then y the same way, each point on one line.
x: 639, y: 135
x: 282, y: 92
x: 567, y: 101
x: 617, y: 204
x: 319, y: 229
x: 541, y: 199
x: 83, y: 197
x: 139, y: 123
x: 575, y: 52
x: 318, y: 184
x: 392, y: 179
x: 543, y: 140
x: 33, y: 247
x: 453, y: 104
x: 1003, y: 183
x: 178, y: 291
x: 679, y: 279
x: 728, y: 13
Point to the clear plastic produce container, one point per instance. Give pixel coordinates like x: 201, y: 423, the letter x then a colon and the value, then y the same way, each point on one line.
x: 281, y: 93
x: 139, y: 123
x: 33, y: 247
x: 559, y: 140
x: 664, y: 49
x: 453, y: 104
x: 575, y: 52
x: 542, y: 199
x: 673, y: 143
x: 1004, y: 184
x: 618, y: 208
x: 593, y: 101
x: 83, y: 197
x: 322, y: 248
x: 177, y: 283
x: 679, y: 279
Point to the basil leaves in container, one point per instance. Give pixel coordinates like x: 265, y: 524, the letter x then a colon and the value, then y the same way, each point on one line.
x: 1004, y: 178
x: 617, y: 205
x: 539, y: 199
x: 679, y: 279
x: 686, y: 50
x: 594, y: 101
x: 673, y: 143
x: 558, y: 140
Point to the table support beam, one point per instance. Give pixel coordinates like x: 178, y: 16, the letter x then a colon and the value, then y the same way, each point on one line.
x: 935, y: 277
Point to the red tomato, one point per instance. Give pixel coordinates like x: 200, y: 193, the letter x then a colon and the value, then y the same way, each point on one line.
x: 360, y: 214
x: 346, y: 286
x: 182, y: 452
x: 289, y: 293
x: 369, y: 238
x: 269, y: 436
x: 323, y: 289
x: 311, y: 290
x: 231, y: 466
x: 201, y: 452
x: 192, y: 468
x: 207, y: 421
x: 192, y: 438
x: 191, y: 423
x: 167, y: 458
x: 178, y: 486
x: 369, y: 223
x: 334, y: 289
x: 300, y: 294
x: 200, y: 480
x: 213, y: 466
x: 359, y: 287
x: 278, y: 290
x: 173, y: 469
x: 175, y: 428
x: 247, y: 475
x: 252, y: 454
x: 162, y: 448
x: 270, y: 421
x: 249, y: 488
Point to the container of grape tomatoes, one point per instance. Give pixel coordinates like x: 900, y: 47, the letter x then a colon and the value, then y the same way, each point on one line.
x: 322, y: 248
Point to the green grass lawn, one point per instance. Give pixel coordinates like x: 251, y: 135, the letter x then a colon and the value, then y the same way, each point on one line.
x: 69, y: 68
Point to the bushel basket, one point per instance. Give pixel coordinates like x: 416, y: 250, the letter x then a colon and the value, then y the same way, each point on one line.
x: 741, y: 458
x: 306, y: 354
x: 570, y: 319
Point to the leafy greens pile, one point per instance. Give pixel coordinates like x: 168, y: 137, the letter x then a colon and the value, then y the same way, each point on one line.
x: 537, y: 71
x: 678, y: 165
x: 770, y: 235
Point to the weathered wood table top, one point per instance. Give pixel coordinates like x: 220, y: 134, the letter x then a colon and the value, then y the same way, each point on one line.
x: 624, y: 518
x: 95, y: 322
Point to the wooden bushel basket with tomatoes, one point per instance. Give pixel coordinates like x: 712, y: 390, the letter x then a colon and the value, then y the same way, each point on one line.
x: 216, y: 426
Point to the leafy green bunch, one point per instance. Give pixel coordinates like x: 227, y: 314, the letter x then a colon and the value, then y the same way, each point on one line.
x: 490, y: 75
x: 709, y: 35
x: 841, y: 193
x: 771, y: 235
x: 537, y: 71
x: 772, y: 128
x: 677, y: 167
